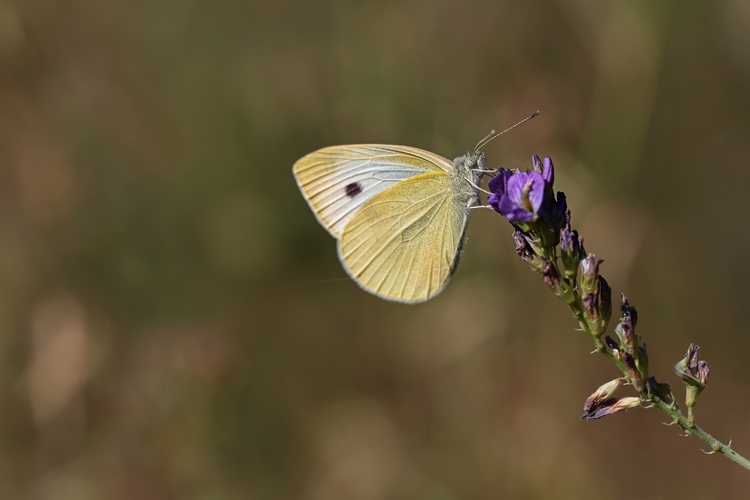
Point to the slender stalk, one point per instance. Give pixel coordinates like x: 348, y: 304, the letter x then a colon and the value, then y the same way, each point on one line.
x: 685, y: 423
x: 672, y: 410
x: 541, y: 222
x: 690, y: 428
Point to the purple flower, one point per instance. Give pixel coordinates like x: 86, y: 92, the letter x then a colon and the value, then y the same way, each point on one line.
x: 517, y: 195
x: 522, y: 196
x: 528, y: 201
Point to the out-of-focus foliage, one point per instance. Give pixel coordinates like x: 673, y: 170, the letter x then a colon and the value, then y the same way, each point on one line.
x: 174, y: 324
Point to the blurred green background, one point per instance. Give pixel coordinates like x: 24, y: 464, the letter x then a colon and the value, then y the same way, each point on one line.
x: 174, y: 323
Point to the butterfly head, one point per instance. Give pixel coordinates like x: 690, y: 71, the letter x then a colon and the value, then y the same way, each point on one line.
x: 470, y: 166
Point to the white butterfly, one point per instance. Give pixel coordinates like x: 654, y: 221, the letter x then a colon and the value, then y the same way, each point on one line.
x: 399, y: 213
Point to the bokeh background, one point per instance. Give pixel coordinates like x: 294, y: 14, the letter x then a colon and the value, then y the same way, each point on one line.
x: 174, y: 324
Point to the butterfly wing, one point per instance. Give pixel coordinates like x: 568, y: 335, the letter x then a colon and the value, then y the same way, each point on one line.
x: 404, y: 242
x: 338, y: 180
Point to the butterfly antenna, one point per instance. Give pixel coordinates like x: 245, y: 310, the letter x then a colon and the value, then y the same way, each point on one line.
x: 493, y: 134
x: 485, y: 139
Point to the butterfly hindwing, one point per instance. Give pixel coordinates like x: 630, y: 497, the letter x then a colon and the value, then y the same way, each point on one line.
x: 402, y: 244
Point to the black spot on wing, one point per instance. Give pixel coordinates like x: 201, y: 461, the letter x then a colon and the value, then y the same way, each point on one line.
x: 353, y: 189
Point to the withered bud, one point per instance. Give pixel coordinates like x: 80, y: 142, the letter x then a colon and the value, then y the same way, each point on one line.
x: 591, y: 304
x: 526, y: 253
x: 625, y: 329
x: 635, y: 376
x: 613, y: 405
x: 628, y: 310
x: 599, y: 396
x: 694, y: 373
x: 613, y: 346
x: 661, y: 391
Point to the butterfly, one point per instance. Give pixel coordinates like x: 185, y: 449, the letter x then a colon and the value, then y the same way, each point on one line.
x: 399, y: 213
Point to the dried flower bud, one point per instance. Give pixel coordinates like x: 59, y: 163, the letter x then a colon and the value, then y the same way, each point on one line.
x: 692, y: 368
x: 526, y: 253
x: 613, y: 346
x: 635, y: 376
x: 628, y: 310
x: 694, y: 373
x: 626, y: 328
x: 599, y: 396
x: 612, y: 405
x: 661, y: 391
x: 522, y: 245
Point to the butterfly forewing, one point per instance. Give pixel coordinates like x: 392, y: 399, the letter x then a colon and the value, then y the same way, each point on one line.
x: 402, y: 243
x: 338, y: 180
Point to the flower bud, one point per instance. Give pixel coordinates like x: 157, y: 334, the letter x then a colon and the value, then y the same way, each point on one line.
x: 558, y: 285
x: 589, y: 274
x: 570, y: 251
x: 554, y: 210
x: 597, y: 306
x: 557, y: 217
x: 695, y: 375
x: 526, y: 253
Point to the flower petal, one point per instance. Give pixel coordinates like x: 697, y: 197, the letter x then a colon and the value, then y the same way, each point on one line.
x: 548, y: 171
x: 536, y: 191
x: 514, y: 188
x: 513, y: 212
x: 498, y: 183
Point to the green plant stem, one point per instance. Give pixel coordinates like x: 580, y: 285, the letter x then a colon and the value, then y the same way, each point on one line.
x: 673, y: 410
x: 690, y: 428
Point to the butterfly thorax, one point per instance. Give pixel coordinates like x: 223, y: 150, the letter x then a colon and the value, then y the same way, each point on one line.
x: 468, y: 174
